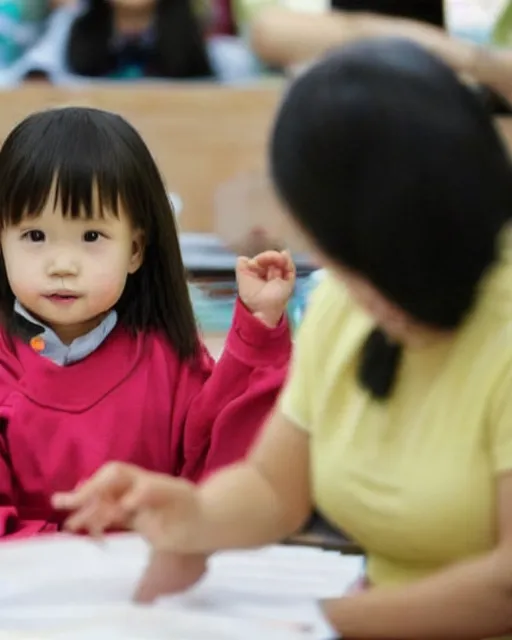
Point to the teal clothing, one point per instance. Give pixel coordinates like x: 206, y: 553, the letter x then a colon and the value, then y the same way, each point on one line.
x: 21, y: 22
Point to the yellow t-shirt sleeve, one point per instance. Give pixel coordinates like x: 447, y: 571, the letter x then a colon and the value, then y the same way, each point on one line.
x: 501, y: 426
x: 294, y: 403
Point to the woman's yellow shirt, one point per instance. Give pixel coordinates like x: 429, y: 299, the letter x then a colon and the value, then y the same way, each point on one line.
x: 411, y: 479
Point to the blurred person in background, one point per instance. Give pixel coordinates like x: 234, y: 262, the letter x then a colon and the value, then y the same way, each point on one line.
x: 21, y: 23
x: 283, y: 36
x: 137, y: 38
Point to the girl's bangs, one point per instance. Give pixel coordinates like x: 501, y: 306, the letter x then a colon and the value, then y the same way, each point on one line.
x: 77, y: 170
x: 78, y: 191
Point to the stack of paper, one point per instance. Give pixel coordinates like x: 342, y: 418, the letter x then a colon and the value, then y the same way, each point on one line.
x: 63, y: 587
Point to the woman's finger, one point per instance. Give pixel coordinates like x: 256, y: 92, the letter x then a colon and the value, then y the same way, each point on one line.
x: 109, y: 517
x: 153, y: 492
x: 169, y: 573
x: 86, y: 519
x: 113, y: 479
x: 98, y: 517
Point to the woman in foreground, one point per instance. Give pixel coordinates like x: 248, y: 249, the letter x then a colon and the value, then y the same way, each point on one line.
x: 397, y: 418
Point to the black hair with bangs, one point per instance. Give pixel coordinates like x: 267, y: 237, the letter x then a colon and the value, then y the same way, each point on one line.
x: 75, y: 152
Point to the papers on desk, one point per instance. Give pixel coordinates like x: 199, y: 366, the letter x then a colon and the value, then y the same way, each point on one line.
x: 63, y: 587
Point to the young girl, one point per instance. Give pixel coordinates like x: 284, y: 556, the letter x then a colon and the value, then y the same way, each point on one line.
x: 100, y: 357
x: 396, y: 421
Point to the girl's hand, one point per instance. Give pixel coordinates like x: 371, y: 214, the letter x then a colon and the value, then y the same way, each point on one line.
x: 169, y: 573
x: 164, y: 510
x: 265, y: 284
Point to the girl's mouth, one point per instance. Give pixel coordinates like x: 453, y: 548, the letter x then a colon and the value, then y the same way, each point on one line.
x: 62, y: 298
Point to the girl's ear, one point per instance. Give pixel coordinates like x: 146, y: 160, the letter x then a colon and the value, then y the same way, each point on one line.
x: 138, y: 247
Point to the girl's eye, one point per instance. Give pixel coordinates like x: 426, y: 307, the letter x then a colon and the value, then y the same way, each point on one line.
x: 34, y: 235
x: 92, y: 236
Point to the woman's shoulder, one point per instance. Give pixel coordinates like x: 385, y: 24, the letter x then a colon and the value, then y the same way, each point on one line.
x: 332, y: 322
x: 326, y: 291
x: 328, y: 303
x: 489, y: 324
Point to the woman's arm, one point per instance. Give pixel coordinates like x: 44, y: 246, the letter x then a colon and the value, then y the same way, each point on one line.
x: 266, y: 498
x: 469, y: 600
x: 252, y: 503
x: 282, y: 37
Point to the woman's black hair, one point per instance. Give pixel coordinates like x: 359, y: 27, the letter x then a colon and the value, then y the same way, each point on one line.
x: 394, y: 168
x: 178, y: 50
x: 72, y: 154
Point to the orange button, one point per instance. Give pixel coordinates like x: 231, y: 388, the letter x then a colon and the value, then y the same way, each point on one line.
x: 37, y: 343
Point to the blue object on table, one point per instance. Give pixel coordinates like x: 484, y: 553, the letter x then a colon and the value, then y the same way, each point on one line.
x: 10, y: 21
x: 303, y: 290
x: 213, y: 302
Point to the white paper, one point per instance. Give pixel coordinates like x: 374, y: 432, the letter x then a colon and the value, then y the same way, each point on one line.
x: 116, y: 622
x: 73, y: 588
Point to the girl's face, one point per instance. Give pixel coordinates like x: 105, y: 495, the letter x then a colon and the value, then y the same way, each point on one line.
x: 70, y: 272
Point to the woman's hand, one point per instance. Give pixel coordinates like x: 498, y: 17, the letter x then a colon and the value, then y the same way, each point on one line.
x: 169, y: 573
x: 265, y: 284
x: 164, y: 510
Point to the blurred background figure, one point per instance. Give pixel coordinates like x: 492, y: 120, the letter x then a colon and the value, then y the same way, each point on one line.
x: 239, y: 40
x: 21, y: 24
x: 284, y: 36
x: 135, y: 38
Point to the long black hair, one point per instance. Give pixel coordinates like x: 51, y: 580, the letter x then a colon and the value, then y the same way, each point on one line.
x: 74, y: 153
x: 395, y: 169
x: 178, y: 50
